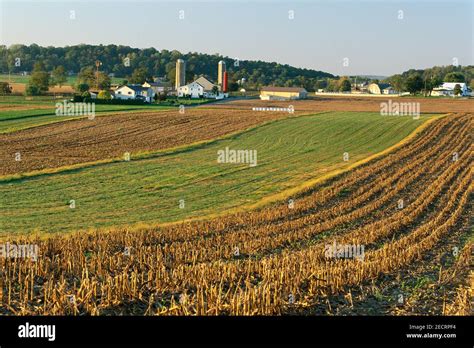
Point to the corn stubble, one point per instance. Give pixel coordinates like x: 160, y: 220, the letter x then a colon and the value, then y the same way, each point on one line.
x: 280, y: 267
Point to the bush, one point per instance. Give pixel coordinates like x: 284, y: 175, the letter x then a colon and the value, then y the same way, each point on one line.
x: 33, y: 90
x: 104, y: 95
x: 5, y: 88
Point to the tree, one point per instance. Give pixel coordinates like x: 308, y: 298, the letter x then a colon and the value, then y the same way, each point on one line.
x: 86, y: 76
x: 345, y: 85
x: 39, y: 80
x: 215, y: 90
x: 58, y: 76
x: 320, y: 84
x: 398, y: 82
x: 104, y: 95
x: 233, y: 86
x: 139, y: 75
x: 104, y: 81
x: 457, y: 89
x: 414, y: 83
x: 82, y: 88
x: 454, y: 77
x: 89, y: 76
x: 5, y: 88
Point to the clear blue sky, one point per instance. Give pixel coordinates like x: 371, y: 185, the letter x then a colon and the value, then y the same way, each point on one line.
x: 321, y: 35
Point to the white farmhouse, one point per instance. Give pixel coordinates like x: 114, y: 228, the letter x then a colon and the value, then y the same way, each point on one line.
x: 134, y: 92
x: 447, y: 89
x: 193, y: 90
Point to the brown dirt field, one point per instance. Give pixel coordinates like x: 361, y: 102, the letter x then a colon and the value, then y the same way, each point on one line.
x: 354, y: 104
x: 84, y: 140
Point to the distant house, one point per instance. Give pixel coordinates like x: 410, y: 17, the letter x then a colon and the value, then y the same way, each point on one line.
x: 377, y: 88
x: 447, y: 89
x: 158, y: 86
x: 134, y: 92
x: 282, y: 93
x: 389, y: 90
x: 193, y: 90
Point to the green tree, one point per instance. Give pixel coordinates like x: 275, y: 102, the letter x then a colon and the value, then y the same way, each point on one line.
x: 39, y: 80
x: 90, y: 77
x: 82, y: 88
x: 58, y: 76
x: 104, y: 80
x: 215, y: 90
x: 345, y: 85
x: 398, y: 82
x: 457, y: 89
x: 139, y: 76
x: 87, y: 76
x: 414, y: 83
x: 454, y: 77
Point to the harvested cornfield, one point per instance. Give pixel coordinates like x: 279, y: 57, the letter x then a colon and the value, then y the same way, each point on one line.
x: 85, y: 140
x: 322, y: 252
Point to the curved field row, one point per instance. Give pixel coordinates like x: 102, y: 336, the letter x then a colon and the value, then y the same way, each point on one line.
x: 149, y: 190
x: 125, y: 272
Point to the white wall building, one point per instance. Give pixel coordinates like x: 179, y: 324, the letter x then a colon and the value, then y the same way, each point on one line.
x: 134, y: 92
x: 193, y: 89
x: 447, y: 89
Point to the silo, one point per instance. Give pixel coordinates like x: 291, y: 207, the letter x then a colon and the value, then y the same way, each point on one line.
x: 220, y: 73
x: 180, y: 73
x: 224, y: 83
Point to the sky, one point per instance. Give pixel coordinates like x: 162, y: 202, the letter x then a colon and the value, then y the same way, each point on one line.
x: 340, y: 37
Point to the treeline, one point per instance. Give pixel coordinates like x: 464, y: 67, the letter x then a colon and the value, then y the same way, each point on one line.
x: 424, y: 80
x: 123, y: 61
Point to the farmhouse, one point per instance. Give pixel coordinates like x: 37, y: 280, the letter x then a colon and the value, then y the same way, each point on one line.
x: 447, y: 89
x: 134, y: 92
x: 282, y: 93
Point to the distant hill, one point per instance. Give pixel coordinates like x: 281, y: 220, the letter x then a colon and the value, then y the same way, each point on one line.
x: 157, y: 63
x: 373, y: 77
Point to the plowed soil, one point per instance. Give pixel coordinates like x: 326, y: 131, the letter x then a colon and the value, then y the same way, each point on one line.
x: 84, y: 140
x: 427, y: 105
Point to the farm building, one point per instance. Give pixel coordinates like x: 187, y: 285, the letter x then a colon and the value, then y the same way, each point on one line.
x: 201, y: 88
x: 134, y: 92
x: 193, y: 90
x: 389, y: 90
x: 282, y: 93
x: 206, y: 84
x: 447, y: 89
x: 158, y: 86
x: 379, y: 88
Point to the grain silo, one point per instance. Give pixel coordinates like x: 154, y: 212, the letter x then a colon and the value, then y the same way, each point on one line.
x: 180, y: 73
x: 220, y: 73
